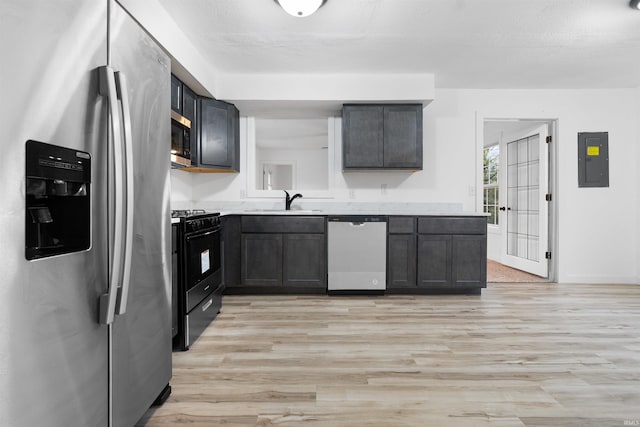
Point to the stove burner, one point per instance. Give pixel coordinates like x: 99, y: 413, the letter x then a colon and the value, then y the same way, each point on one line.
x: 184, y: 213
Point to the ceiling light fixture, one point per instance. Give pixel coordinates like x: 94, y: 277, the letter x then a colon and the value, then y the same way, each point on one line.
x: 300, y: 8
x: 635, y: 4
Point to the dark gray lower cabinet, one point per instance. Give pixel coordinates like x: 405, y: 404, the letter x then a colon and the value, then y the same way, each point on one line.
x: 288, y: 254
x: 281, y: 254
x: 261, y: 259
x: 231, y: 250
x: 444, y: 254
x: 304, y: 261
x: 402, y: 261
x: 283, y: 260
x: 434, y: 261
x: 469, y: 261
x: 452, y: 253
x: 452, y: 261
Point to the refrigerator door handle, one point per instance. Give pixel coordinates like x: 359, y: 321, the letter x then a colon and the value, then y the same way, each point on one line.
x: 123, y: 96
x: 108, y: 300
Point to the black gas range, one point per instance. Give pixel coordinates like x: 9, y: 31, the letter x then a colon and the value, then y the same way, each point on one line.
x: 199, y: 284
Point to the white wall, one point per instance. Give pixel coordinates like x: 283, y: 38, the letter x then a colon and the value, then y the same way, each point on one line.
x: 592, y: 222
x: 181, y: 189
x: 598, y: 227
x: 310, y: 165
x: 186, y: 61
x: 326, y: 87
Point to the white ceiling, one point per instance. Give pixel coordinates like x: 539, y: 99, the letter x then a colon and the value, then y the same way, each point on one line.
x: 464, y: 43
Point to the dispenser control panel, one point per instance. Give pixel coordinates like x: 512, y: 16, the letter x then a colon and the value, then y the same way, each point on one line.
x: 57, y: 202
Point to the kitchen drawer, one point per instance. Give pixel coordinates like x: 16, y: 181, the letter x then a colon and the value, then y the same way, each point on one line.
x: 283, y: 224
x: 203, y: 314
x: 196, y: 294
x: 452, y: 225
x: 402, y: 225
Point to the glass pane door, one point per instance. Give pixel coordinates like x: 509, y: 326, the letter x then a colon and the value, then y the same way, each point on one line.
x: 526, y: 208
x: 522, y: 197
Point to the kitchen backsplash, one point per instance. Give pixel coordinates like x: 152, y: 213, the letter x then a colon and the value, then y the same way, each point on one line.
x: 329, y: 206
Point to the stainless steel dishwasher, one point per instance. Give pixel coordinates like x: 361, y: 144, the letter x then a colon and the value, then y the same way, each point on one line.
x: 357, y: 253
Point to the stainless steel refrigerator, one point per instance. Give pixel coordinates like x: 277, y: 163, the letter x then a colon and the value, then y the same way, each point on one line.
x: 85, y: 319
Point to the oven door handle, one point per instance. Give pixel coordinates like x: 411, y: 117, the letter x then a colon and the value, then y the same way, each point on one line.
x: 207, y: 233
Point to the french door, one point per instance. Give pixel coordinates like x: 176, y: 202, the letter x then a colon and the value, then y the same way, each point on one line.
x: 523, y: 208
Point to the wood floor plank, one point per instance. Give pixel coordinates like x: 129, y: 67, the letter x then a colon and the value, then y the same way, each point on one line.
x: 518, y: 355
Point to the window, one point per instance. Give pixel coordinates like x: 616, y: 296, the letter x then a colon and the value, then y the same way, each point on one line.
x: 490, y: 160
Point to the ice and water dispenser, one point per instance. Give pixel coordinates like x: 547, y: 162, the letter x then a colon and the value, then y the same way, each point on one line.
x: 58, y: 208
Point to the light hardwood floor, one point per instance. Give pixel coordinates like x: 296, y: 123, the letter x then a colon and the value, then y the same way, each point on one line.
x: 518, y: 355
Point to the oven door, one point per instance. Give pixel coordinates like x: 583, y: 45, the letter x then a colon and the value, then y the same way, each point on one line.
x: 203, y: 273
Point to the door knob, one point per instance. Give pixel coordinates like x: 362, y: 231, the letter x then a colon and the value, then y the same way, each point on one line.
x: 502, y: 208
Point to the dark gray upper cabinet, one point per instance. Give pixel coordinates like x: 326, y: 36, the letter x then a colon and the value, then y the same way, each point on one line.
x: 362, y: 136
x: 189, y: 111
x: 215, y: 129
x: 382, y: 136
x: 176, y: 94
x: 403, y: 136
x: 218, y: 139
x: 189, y: 104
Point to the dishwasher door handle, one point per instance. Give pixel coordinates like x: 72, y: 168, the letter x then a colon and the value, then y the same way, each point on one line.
x: 357, y: 224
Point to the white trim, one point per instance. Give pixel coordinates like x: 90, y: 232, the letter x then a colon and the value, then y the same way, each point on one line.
x: 333, y: 129
x: 598, y: 280
x: 552, y: 226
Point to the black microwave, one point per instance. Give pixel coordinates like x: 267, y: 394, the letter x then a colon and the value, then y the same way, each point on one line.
x: 180, y: 140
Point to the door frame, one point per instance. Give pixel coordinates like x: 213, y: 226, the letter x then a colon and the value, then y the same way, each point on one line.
x: 526, y: 130
x: 552, y: 223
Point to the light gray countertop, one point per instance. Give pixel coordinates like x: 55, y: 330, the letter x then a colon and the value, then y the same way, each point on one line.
x: 301, y: 212
x: 326, y: 208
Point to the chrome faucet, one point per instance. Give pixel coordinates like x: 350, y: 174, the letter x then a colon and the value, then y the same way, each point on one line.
x: 288, y: 200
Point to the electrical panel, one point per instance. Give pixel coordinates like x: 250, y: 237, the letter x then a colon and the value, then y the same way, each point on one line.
x: 593, y: 159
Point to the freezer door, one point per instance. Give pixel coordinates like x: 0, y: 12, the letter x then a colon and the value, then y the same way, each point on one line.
x: 53, y: 351
x: 141, y: 351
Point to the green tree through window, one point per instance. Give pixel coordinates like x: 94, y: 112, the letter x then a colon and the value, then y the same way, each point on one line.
x: 490, y: 161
